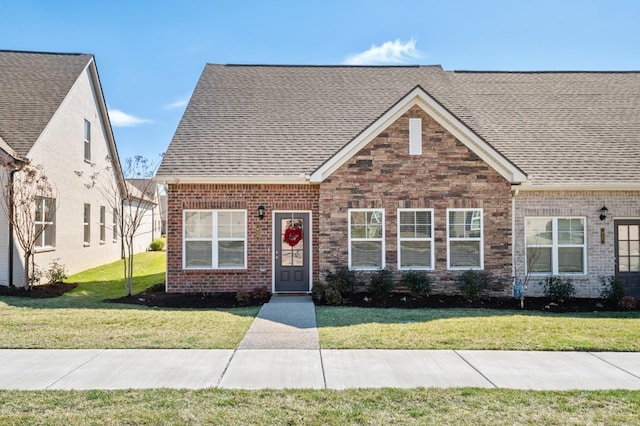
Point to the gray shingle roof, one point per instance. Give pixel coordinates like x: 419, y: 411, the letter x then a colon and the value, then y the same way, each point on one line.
x: 560, y: 128
x: 32, y: 87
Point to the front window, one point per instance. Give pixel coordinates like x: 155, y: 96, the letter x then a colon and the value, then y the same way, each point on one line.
x: 45, y: 222
x: 114, y: 225
x: 415, y: 239
x: 103, y: 218
x: 556, y: 245
x: 366, y: 238
x: 87, y: 224
x: 215, y: 239
x: 465, y: 239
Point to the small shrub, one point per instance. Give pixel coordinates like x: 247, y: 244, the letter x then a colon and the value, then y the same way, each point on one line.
x: 157, y: 244
x: 332, y: 297
x: 243, y: 297
x: 558, y: 289
x: 56, y: 272
x: 612, y: 289
x: 628, y: 303
x: 381, y: 284
x: 260, y: 293
x: 318, y: 291
x: 419, y: 282
x: 343, y: 280
x: 474, y: 284
x: 157, y: 288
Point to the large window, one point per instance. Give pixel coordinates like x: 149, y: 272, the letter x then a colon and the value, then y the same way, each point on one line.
x: 45, y: 222
x: 87, y: 224
x: 215, y: 239
x: 465, y: 239
x: 556, y: 245
x: 87, y: 140
x: 415, y: 239
x: 366, y: 238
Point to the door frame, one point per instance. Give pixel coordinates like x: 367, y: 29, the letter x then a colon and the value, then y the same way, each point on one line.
x: 616, y: 222
x: 273, y: 248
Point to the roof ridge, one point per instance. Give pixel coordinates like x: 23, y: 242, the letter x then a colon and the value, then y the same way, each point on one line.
x: 40, y: 52
x: 326, y: 66
x: 546, y: 72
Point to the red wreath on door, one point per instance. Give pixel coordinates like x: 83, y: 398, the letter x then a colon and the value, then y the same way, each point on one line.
x: 293, y: 236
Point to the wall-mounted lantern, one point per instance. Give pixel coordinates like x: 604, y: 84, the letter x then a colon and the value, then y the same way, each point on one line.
x: 603, y: 212
x: 261, y: 212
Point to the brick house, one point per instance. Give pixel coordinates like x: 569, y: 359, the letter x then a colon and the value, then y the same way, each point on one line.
x: 279, y: 174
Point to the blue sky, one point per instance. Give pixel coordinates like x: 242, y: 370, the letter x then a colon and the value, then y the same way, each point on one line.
x: 151, y: 53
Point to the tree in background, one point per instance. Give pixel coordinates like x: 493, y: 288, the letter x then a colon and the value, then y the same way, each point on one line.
x: 129, y: 201
x: 29, y: 201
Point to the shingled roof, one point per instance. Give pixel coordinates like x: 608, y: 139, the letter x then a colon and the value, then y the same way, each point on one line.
x: 32, y: 87
x: 563, y: 129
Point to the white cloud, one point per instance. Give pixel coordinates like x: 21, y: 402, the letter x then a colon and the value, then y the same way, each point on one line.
x: 122, y: 119
x: 390, y: 53
x: 178, y: 103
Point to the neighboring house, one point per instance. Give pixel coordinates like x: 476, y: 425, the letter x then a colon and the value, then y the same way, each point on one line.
x: 279, y: 174
x: 145, y: 205
x: 53, y: 114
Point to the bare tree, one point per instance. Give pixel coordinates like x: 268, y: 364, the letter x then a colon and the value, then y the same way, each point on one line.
x: 129, y: 201
x: 29, y: 201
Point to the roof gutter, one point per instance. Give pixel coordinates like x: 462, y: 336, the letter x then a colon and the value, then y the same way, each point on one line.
x: 528, y: 187
x: 302, y: 179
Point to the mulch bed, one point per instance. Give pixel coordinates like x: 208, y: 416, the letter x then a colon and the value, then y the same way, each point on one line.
x: 156, y: 296
x: 38, y: 291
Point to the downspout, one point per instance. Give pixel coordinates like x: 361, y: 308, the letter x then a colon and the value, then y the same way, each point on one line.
x: 11, y: 179
x: 514, y: 194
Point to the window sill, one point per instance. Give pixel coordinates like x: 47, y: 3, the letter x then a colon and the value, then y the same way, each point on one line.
x: 45, y: 249
x: 86, y: 244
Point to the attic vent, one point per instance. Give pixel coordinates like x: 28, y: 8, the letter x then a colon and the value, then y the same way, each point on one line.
x: 415, y: 136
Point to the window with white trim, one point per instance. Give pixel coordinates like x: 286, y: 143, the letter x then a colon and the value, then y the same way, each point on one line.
x: 215, y: 239
x: 465, y: 239
x: 103, y: 225
x: 366, y: 238
x: 87, y: 224
x: 415, y: 239
x: 114, y: 225
x: 87, y: 140
x: 556, y: 245
x: 45, y: 222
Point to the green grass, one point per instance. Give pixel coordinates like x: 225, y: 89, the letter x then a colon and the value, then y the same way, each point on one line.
x: 80, y: 319
x: 320, y: 407
x: 353, y: 328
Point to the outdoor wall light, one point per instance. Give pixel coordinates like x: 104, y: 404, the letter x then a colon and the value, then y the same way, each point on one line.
x: 603, y: 212
x: 261, y: 211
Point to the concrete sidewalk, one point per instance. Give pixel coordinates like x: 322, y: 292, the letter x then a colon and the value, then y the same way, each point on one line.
x: 34, y: 369
x: 281, y: 350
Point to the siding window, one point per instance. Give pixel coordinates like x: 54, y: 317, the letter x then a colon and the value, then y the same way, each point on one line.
x: 215, y: 239
x: 415, y: 239
x: 114, y: 225
x: 103, y: 229
x: 415, y: 136
x: 366, y: 238
x: 465, y: 239
x: 556, y: 245
x: 87, y: 140
x: 87, y: 224
x: 45, y: 222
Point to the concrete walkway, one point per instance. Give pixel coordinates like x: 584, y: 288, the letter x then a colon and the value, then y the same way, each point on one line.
x: 281, y: 350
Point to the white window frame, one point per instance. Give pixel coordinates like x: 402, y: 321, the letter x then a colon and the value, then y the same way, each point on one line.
x: 48, y: 226
x: 114, y: 230
x: 87, y: 140
x: 431, y: 241
x: 103, y: 224
x: 87, y: 224
x: 479, y: 239
x: 382, y: 260
x: 214, y: 239
x: 555, y: 245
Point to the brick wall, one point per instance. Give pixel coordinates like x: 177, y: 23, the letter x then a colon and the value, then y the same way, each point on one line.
x: 446, y: 175
x: 587, y: 204
x: 259, y: 232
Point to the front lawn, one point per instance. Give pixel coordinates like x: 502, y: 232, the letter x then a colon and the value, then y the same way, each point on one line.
x: 320, y: 407
x: 377, y: 328
x: 80, y: 319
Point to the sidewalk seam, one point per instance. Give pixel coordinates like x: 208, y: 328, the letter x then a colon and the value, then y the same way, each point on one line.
x: 76, y: 369
x: 474, y: 367
x: 226, y: 367
x: 613, y: 365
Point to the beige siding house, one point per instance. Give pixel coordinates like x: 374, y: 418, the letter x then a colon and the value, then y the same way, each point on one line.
x: 277, y: 175
x: 53, y: 114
